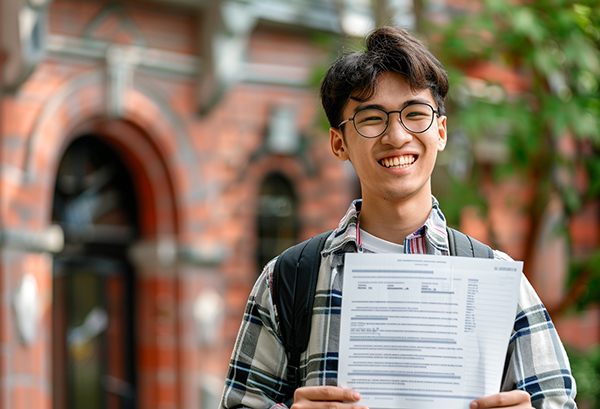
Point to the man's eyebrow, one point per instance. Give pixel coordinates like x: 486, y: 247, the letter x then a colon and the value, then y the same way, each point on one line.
x: 369, y: 106
x: 417, y: 100
x: 406, y: 103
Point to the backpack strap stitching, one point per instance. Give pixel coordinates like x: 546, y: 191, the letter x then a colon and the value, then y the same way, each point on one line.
x: 471, y: 245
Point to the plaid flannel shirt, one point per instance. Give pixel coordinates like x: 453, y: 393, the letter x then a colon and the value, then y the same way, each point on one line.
x: 536, y: 360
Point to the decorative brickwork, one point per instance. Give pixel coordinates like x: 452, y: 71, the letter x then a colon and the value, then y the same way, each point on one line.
x: 127, y: 73
x: 197, y: 181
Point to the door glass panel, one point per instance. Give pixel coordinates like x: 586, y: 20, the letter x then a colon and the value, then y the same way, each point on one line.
x: 87, y: 323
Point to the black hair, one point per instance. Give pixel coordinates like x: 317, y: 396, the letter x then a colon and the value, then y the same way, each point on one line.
x: 387, y: 49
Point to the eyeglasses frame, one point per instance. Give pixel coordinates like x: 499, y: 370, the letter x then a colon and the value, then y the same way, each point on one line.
x: 387, y: 124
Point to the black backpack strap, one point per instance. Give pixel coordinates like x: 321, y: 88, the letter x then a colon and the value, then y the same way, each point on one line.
x: 294, y: 284
x: 465, y: 246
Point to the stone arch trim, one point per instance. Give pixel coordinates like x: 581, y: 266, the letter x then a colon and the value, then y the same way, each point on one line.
x: 148, y: 135
x: 286, y: 166
x: 154, y: 185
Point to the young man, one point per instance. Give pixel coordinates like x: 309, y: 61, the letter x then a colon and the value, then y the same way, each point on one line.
x: 386, y: 110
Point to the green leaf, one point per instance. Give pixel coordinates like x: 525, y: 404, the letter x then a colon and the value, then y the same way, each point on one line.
x: 526, y: 23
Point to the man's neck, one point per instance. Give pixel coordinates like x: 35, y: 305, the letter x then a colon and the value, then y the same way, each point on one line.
x: 394, y: 221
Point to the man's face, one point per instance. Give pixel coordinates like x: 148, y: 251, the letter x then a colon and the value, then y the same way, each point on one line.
x: 397, y: 165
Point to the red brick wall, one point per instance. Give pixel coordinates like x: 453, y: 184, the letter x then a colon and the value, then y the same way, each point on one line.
x: 197, y: 181
x: 166, y: 29
x: 25, y: 368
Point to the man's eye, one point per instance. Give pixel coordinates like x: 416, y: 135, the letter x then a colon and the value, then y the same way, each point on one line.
x: 416, y: 114
x: 370, y: 119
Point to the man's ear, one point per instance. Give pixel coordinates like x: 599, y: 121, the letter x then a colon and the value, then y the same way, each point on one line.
x: 338, y: 144
x: 442, y: 133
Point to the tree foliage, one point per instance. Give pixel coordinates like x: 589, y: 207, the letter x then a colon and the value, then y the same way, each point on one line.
x: 526, y: 77
x: 586, y: 370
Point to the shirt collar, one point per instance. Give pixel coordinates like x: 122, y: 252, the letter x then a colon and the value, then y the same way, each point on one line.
x: 430, y: 238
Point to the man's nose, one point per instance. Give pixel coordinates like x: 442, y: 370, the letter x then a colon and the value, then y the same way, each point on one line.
x: 395, y: 134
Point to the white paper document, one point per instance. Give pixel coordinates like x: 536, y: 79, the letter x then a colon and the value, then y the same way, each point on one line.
x: 425, y: 332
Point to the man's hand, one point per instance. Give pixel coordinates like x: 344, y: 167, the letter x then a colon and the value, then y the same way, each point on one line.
x: 325, y: 397
x: 513, y: 399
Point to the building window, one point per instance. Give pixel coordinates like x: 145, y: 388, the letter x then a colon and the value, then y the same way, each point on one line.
x: 278, y: 225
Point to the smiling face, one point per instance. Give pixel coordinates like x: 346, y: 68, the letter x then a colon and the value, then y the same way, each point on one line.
x: 397, y: 165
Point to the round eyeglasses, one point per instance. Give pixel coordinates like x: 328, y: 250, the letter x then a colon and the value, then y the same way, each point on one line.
x: 373, y: 122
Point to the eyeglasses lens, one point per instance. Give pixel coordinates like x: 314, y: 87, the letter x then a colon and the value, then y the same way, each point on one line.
x: 372, y: 122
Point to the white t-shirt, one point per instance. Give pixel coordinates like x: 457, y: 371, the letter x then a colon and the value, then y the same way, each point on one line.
x: 372, y: 244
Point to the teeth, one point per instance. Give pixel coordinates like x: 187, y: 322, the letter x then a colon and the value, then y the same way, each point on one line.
x: 398, y: 161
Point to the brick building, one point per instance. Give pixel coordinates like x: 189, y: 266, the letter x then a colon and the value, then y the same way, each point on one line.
x: 154, y: 154
x: 150, y: 151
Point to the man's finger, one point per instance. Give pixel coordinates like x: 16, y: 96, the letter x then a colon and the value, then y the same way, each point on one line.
x: 326, y: 393
x: 515, y: 399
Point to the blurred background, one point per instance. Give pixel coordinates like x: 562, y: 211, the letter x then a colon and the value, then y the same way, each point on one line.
x: 155, y: 154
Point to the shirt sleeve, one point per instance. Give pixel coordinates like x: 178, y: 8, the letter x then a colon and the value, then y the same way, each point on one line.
x: 256, y: 376
x: 536, y: 359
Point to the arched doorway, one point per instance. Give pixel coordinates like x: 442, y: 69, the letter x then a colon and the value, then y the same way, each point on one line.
x: 93, y: 282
